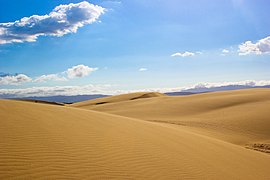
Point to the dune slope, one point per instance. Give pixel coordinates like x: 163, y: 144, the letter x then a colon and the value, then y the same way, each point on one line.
x: 41, y: 101
x: 240, y: 117
x: 118, y: 98
x: 55, y: 142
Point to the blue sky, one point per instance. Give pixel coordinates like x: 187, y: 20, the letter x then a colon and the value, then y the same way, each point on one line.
x: 133, y: 44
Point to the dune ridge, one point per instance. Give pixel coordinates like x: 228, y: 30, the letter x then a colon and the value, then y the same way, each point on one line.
x: 118, y: 98
x: 56, y: 142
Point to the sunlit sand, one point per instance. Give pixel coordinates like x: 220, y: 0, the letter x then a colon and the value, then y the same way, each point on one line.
x: 130, y: 137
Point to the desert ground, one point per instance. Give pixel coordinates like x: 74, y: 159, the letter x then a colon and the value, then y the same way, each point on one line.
x: 218, y: 135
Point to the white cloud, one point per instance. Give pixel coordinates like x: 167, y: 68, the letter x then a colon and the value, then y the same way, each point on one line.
x: 225, y: 51
x: 110, y: 90
x: 50, y: 77
x: 260, y: 47
x: 143, y: 69
x: 14, y: 79
x: 184, y: 54
x: 79, y: 71
x: 250, y: 83
x: 57, y: 90
x: 247, y: 83
x: 62, y: 20
x: 76, y: 71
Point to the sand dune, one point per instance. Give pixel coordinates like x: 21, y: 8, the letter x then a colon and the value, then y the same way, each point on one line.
x: 57, y: 142
x: 240, y: 117
x: 118, y: 98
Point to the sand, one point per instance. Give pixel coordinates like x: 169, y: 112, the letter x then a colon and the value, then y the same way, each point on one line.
x: 42, y: 141
x: 118, y: 98
x: 240, y: 117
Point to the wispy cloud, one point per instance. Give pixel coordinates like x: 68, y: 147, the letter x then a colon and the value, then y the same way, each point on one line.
x: 262, y: 46
x: 143, y: 69
x: 225, y: 51
x: 50, y: 77
x: 184, y: 54
x: 111, y: 2
x: 14, y: 79
x: 62, y: 20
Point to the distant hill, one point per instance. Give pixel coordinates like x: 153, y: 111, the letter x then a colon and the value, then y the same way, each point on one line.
x: 197, y: 90
x: 66, y: 99
x: 179, y: 93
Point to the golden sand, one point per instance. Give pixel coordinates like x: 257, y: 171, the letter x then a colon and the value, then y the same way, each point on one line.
x: 187, y: 140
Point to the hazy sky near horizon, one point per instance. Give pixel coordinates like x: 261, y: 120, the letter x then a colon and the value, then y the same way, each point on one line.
x: 132, y: 44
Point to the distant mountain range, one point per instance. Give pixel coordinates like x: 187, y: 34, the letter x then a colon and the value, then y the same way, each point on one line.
x: 65, y: 99
x: 181, y: 93
x: 78, y: 98
x: 222, y: 88
x: 198, y: 90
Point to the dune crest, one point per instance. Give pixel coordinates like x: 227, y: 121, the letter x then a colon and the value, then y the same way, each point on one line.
x: 118, y: 98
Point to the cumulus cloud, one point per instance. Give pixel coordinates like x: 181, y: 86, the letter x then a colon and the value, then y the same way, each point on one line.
x: 14, y: 79
x: 143, y: 69
x: 62, y: 20
x: 56, y: 91
x: 50, y: 77
x: 79, y: 71
x: 184, y: 54
x: 260, y: 47
x: 76, y: 71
